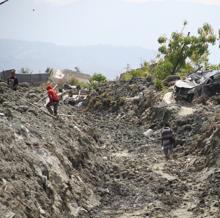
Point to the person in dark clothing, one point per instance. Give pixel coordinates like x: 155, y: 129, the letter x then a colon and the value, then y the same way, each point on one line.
x: 168, y: 141
x: 13, y: 81
x: 54, y: 100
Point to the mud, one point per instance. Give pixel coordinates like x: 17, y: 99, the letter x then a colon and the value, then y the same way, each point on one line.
x: 99, y: 162
x: 143, y: 184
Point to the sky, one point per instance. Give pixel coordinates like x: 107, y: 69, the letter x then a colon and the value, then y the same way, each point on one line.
x: 112, y: 22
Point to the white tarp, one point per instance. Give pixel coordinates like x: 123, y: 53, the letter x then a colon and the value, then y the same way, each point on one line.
x: 182, y: 84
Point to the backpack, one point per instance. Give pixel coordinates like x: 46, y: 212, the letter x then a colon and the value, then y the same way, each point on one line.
x: 168, y: 137
x: 167, y: 133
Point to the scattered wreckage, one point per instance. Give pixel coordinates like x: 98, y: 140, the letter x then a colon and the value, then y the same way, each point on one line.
x: 197, y: 84
x: 73, y: 95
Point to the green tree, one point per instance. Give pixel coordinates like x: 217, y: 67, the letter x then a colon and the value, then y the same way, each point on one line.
x: 98, y: 77
x: 213, y: 67
x: 137, y: 73
x: 182, y: 50
x: 96, y: 80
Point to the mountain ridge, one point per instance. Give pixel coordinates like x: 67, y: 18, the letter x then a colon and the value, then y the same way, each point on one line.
x: 107, y: 59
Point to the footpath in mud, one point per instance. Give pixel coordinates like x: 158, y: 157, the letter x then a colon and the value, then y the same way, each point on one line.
x: 141, y: 183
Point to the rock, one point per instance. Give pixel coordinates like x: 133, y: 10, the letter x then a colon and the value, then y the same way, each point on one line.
x: 187, y: 127
x: 171, y: 80
x: 33, y: 112
x: 22, y: 108
x: 8, y: 113
x: 24, y: 84
x: 148, y: 133
x: 21, y: 129
x: 33, y: 95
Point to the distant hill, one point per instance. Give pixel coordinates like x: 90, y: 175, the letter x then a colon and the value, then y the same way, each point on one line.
x: 37, y: 56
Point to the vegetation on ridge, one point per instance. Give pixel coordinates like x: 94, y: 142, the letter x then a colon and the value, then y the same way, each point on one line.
x: 180, y: 55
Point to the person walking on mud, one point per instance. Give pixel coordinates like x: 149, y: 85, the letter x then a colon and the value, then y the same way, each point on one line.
x: 13, y: 81
x: 168, y: 141
x: 53, y: 100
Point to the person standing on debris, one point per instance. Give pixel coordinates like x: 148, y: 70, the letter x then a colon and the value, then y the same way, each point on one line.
x: 168, y: 141
x: 13, y: 81
x: 53, y: 100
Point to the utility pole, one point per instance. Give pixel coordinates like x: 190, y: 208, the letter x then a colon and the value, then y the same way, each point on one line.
x: 128, y: 68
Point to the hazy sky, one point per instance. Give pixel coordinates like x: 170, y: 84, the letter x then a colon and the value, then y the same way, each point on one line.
x: 115, y: 22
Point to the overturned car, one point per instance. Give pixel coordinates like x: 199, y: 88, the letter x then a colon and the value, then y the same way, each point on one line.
x: 197, y: 84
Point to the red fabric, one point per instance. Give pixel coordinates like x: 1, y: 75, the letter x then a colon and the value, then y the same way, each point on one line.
x: 49, y: 87
x: 52, y: 94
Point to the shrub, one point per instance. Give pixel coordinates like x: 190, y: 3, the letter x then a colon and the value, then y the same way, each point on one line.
x: 96, y: 80
x: 73, y: 81
x: 137, y: 73
x: 158, y: 84
x: 98, y: 77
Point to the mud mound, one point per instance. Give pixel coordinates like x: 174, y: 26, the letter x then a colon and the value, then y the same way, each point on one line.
x: 48, y: 166
x: 100, y: 163
x: 207, y: 148
x: 121, y: 96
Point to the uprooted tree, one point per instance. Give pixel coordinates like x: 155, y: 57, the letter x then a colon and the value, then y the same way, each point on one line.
x: 183, y: 53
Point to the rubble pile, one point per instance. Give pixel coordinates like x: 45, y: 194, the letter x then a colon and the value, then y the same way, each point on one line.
x: 130, y: 100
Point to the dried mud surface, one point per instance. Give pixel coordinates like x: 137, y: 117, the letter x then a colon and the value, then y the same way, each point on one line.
x: 97, y: 162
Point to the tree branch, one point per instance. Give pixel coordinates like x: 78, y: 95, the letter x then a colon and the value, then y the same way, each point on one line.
x: 1, y: 3
x: 174, y: 71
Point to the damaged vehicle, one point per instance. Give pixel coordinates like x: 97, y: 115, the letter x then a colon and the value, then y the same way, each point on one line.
x: 197, y: 84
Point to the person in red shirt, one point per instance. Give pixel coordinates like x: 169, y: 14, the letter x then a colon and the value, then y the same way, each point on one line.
x: 54, y: 100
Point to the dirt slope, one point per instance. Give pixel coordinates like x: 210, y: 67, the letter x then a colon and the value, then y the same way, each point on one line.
x: 101, y: 163
x: 141, y: 182
x: 48, y: 167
